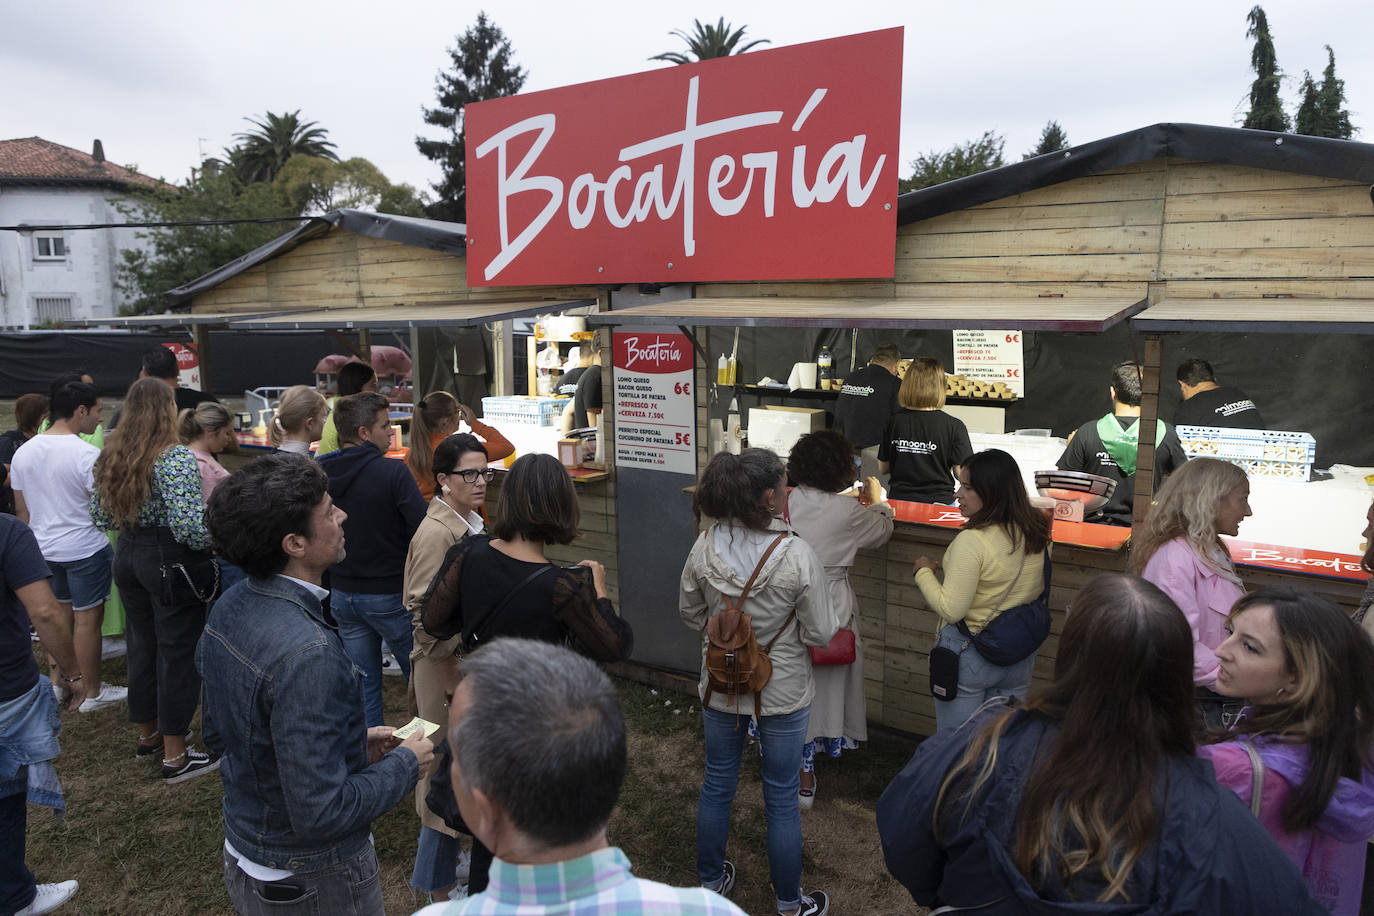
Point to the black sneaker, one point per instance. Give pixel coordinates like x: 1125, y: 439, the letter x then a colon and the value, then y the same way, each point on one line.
x: 727, y: 879
x: 195, y: 764
x: 148, y: 751
x: 815, y: 903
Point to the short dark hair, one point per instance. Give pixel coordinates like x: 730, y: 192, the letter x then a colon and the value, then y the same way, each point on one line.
x: 159, y: 362
x: 69, y: 397
x: 543, y: 737
x: 1126, y: 383
x: 357, y: 410
x: 732, y: 487
x: 886, y: 353
x: 823, y: 460
x: 258, y: 505
x: 537, y: 502
x: 353, y: 376
x: 1195, y: 371
x: 451, y: 450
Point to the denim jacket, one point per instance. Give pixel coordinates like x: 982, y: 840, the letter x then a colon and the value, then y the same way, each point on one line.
x: 285, y: 707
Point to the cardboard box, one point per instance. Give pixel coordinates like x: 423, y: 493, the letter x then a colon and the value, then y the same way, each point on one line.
x: 779, y: 428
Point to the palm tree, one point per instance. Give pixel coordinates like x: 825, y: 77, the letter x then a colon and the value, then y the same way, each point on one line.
x: 708, y: 41
x: 260, y: 154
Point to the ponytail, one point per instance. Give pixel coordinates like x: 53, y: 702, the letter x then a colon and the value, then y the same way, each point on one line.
x: 208, y: 417
x: 299, y: 404
x: 435, y: 412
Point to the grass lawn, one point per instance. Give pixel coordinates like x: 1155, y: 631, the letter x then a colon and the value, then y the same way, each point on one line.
x: 138, y: 846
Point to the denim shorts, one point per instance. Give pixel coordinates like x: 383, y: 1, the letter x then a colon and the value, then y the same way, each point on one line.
x: 83, y: 584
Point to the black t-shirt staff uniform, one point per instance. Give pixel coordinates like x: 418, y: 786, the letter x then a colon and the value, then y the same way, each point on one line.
x: 1088, y: 454
x: 923, y: 447
x: 588, y: 396
x: 567, y: 385
x: 866, y: 405
x: 1226, y: 407
x: 21, y: 564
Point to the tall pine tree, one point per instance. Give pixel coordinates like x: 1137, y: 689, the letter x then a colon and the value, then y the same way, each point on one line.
x: 1266, y: 110
x: 1052, y: 140
x: 482, y: 69
x: 1335, y: 118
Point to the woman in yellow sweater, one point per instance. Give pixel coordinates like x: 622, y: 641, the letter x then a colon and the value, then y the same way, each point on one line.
x: 996, y: 562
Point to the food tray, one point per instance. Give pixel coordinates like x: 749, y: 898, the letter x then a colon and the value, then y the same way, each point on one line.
x: 1261, y: 452
x: 531, y: 411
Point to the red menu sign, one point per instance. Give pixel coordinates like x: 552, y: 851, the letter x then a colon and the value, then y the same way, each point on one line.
x: 769, y: 165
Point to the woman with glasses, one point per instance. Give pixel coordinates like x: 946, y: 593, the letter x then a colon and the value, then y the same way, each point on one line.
x: 505, y: 585
x: 460, y: 481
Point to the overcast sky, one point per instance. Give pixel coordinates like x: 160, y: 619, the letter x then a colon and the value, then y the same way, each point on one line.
x: 162, y: 83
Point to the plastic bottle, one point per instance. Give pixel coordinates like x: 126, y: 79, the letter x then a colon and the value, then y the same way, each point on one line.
x: 824, y: 365
x: 734, y: 435
x: 734, y: 370
x: 723, y: 371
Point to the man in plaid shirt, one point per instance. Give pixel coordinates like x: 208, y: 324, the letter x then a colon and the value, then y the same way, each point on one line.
x: 538, y: 758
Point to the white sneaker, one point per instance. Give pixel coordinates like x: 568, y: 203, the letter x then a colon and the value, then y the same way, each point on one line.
x: 109, y: 695
x: 112, y: 647
x: 464, y: 869
x: 57, y: 692
x: 49, y: 898
x: 390, y: 665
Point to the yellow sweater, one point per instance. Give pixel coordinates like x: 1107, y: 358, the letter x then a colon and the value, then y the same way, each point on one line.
x: 979, y: 566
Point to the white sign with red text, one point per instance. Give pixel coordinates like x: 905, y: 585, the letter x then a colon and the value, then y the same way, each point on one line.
x: 991, y: 356
x: 655, y: 408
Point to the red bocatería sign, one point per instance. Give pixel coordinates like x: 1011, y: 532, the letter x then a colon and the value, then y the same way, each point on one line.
x: 770, y: 165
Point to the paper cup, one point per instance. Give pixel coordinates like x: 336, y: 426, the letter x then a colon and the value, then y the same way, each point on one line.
x: 806, y: 374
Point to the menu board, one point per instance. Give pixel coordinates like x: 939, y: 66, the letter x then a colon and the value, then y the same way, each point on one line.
x: 991, y: 356
x: 655, y: 409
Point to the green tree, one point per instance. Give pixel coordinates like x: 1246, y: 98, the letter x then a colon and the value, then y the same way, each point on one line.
x: 1309, y: 116
x: 260, y: 154
x: 482, y: 69
x: 959, y: 161
x: 1335, y: 120
x: 709, y: 41
x: 1052, y: 139
x: 1266, y: 110
x: 176, y: 255
x: 312, y: 185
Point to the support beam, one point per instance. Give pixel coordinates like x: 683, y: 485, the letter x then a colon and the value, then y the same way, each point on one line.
x: 1149, y: 415
x: 206, y: 357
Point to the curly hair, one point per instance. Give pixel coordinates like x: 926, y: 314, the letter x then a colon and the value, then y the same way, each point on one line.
x: 732, y: 488
x: 823, y: 460
x: 1186, y: 507
x: 124, y: 471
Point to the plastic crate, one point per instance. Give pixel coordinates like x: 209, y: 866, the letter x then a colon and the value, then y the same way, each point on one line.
x: 530, y: 411
x: 1261, y: 452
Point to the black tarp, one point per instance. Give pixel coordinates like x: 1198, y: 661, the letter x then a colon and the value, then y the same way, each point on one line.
x: 239, y: 359
x: 1308, y: 382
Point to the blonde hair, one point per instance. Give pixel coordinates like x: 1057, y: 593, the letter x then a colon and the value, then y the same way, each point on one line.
x: 1186, y: 507
x: 434, y: 413
x: 206, y: 417
x: 923, y: 385
x: 299, y: 405
x: 124, y: 472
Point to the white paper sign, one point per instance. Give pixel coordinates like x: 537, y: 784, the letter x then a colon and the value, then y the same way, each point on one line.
x: 655, y: 406
x: 991, y: 356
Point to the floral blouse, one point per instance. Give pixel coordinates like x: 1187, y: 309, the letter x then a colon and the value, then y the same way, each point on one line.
x: 175, y: 501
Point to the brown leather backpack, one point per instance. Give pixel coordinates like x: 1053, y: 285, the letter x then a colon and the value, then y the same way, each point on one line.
x: 734, y: 662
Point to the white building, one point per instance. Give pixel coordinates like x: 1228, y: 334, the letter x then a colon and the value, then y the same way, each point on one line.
x: 49, y: 275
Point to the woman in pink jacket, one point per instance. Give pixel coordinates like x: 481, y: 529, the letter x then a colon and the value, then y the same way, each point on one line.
x: 1180, y: 550
x: 1303, y: 743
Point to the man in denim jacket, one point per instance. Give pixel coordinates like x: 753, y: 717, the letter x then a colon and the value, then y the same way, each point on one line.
x: 303, y: 776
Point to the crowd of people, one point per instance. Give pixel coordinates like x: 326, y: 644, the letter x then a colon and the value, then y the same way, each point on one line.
x: 1198, y: 747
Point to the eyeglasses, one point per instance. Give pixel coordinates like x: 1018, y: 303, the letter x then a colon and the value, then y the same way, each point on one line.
x: 470, y: 475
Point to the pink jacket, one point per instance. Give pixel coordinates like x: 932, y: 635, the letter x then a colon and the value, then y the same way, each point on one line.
x: 1204, y: 595
x: 1330, y: 855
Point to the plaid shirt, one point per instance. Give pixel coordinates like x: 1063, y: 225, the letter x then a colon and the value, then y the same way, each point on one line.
x: 592, y: 885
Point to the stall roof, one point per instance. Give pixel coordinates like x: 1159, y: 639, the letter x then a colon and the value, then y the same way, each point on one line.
x: 1273, y: 316
x: 409, y: 230
x: 462, y: 312
x: 167, y: 319
x: 1260, y: 149
x: 1026, y: 314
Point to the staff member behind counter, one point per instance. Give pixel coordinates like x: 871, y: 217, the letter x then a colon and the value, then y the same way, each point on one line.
x: 1107, y: 446
x: 1205, y: 403
x: 924, y: 446
x: 867, y: 403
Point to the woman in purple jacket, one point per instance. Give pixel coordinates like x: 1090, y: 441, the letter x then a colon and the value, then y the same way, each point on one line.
x: 1303, y: 743
x: 1181, y: 551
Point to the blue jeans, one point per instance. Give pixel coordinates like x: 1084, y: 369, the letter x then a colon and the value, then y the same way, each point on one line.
x: 979, y: 680
x: 781, y: 739
x: 83, y: 584
x: 436, y: 860
x: 351, y: 887
x: 364, y: 621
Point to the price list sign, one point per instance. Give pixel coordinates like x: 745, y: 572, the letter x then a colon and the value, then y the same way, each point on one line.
x: 655, y: 410
x: 991, y: 356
